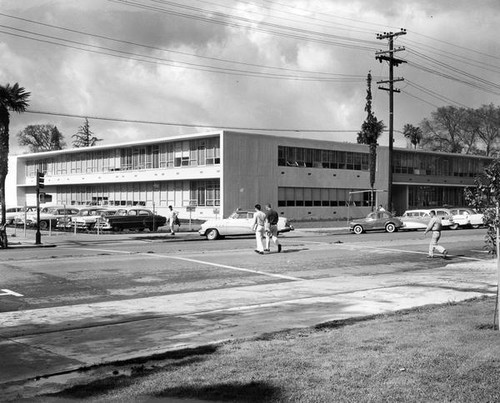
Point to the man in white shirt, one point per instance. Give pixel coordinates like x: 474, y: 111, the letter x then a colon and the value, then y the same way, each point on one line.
x: 172, y: 218
x: 435, y: 225
x: 259, y: 219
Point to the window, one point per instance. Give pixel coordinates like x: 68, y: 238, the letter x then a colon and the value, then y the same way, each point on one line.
x: 317, y: 158
x: 298, y: 193
x: 290, y: 197
x: 308, y: 197
x: 320, y: 197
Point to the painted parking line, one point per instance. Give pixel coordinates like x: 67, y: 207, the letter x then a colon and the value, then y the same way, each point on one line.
x: 223, y: 266
x: 230, y: 267
x: 9, y: 292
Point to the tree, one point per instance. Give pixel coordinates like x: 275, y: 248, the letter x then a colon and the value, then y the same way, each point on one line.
x: 371, y: 129
x: 84, y: 137
x: 487, y: 119
x: 41, y: 138
x: 12, y: 98
x: 450, y: 129
x: 485, y: 197
x: 412, y: 133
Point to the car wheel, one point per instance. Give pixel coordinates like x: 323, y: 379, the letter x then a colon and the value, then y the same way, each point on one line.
x: 44, y: 225
x: 212, y: 234
x: 358, y: 229
x: 390, y: 227
x: 454, y: 226
x: 476, y: 226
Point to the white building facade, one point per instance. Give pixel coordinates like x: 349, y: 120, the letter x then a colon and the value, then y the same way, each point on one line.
x: 212, y: 174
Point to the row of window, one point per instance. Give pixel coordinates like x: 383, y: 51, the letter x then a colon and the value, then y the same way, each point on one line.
x: 403, y: 162
x: 435, y: 196
x: 321, y: 197
x: 173, y: 154
x: 317, y: 158
x: 178, y: 193
x: 441, y: 165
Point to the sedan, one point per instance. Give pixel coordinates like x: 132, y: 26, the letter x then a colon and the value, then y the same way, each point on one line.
x: 238, y: 223
x: 86, y: 219
x: 378, y: 220
x: 467, y: 217
x: 49, y: 217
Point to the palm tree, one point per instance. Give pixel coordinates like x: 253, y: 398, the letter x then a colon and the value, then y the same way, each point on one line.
x: 412, y: 133
x: 12, y: 98
x: 371, y: 129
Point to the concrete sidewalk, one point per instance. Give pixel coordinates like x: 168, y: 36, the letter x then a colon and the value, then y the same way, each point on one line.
x: 19, y: 239
x: 50, y: 341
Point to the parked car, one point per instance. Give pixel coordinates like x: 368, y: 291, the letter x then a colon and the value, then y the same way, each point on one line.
x: 86, y: 218
x: 25, y: 212
x: 376, y: 221
x: 49, y: 216
x: 134, y: 218
x: 11, y: 213
x: 238, y: 223
x: 419, y: 218
x: 467, y: 217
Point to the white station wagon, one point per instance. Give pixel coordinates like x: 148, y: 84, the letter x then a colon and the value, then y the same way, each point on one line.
x: 238, y: 223
x: 418, y: 219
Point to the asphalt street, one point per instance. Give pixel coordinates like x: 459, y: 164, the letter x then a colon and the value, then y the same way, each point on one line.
x: 89, y: 302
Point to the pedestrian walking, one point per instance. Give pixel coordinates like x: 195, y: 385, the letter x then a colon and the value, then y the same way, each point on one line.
x: 173, y: 219
x: 435, y: 225
x: 271, y: 228
x: 259, y: 219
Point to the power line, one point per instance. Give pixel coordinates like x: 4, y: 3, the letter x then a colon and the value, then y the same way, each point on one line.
x: 329, y: 15
x: 434, y: 94
x: 451, y: 77
x: 461, y: 47
x: 420, y: 99
x: 456, y: 70
x: 455, y: 57
x: 108, y: 38
x: 149, y: 122
x: 288, y: 32
x: 157, y: 60
x: 302, y: 16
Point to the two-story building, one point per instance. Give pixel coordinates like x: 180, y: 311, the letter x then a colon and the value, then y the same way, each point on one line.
x: 212, y: 174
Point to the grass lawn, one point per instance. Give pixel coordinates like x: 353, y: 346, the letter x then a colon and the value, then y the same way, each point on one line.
x: 445, y: 353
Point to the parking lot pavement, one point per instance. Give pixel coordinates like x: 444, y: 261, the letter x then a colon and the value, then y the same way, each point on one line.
x: 49, y: 341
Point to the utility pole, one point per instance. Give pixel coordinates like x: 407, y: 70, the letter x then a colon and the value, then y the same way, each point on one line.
x: 40, y: 184
x: 388, y: 55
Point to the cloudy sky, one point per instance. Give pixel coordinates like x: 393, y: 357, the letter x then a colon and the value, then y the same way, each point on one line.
x: 143, y: 69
